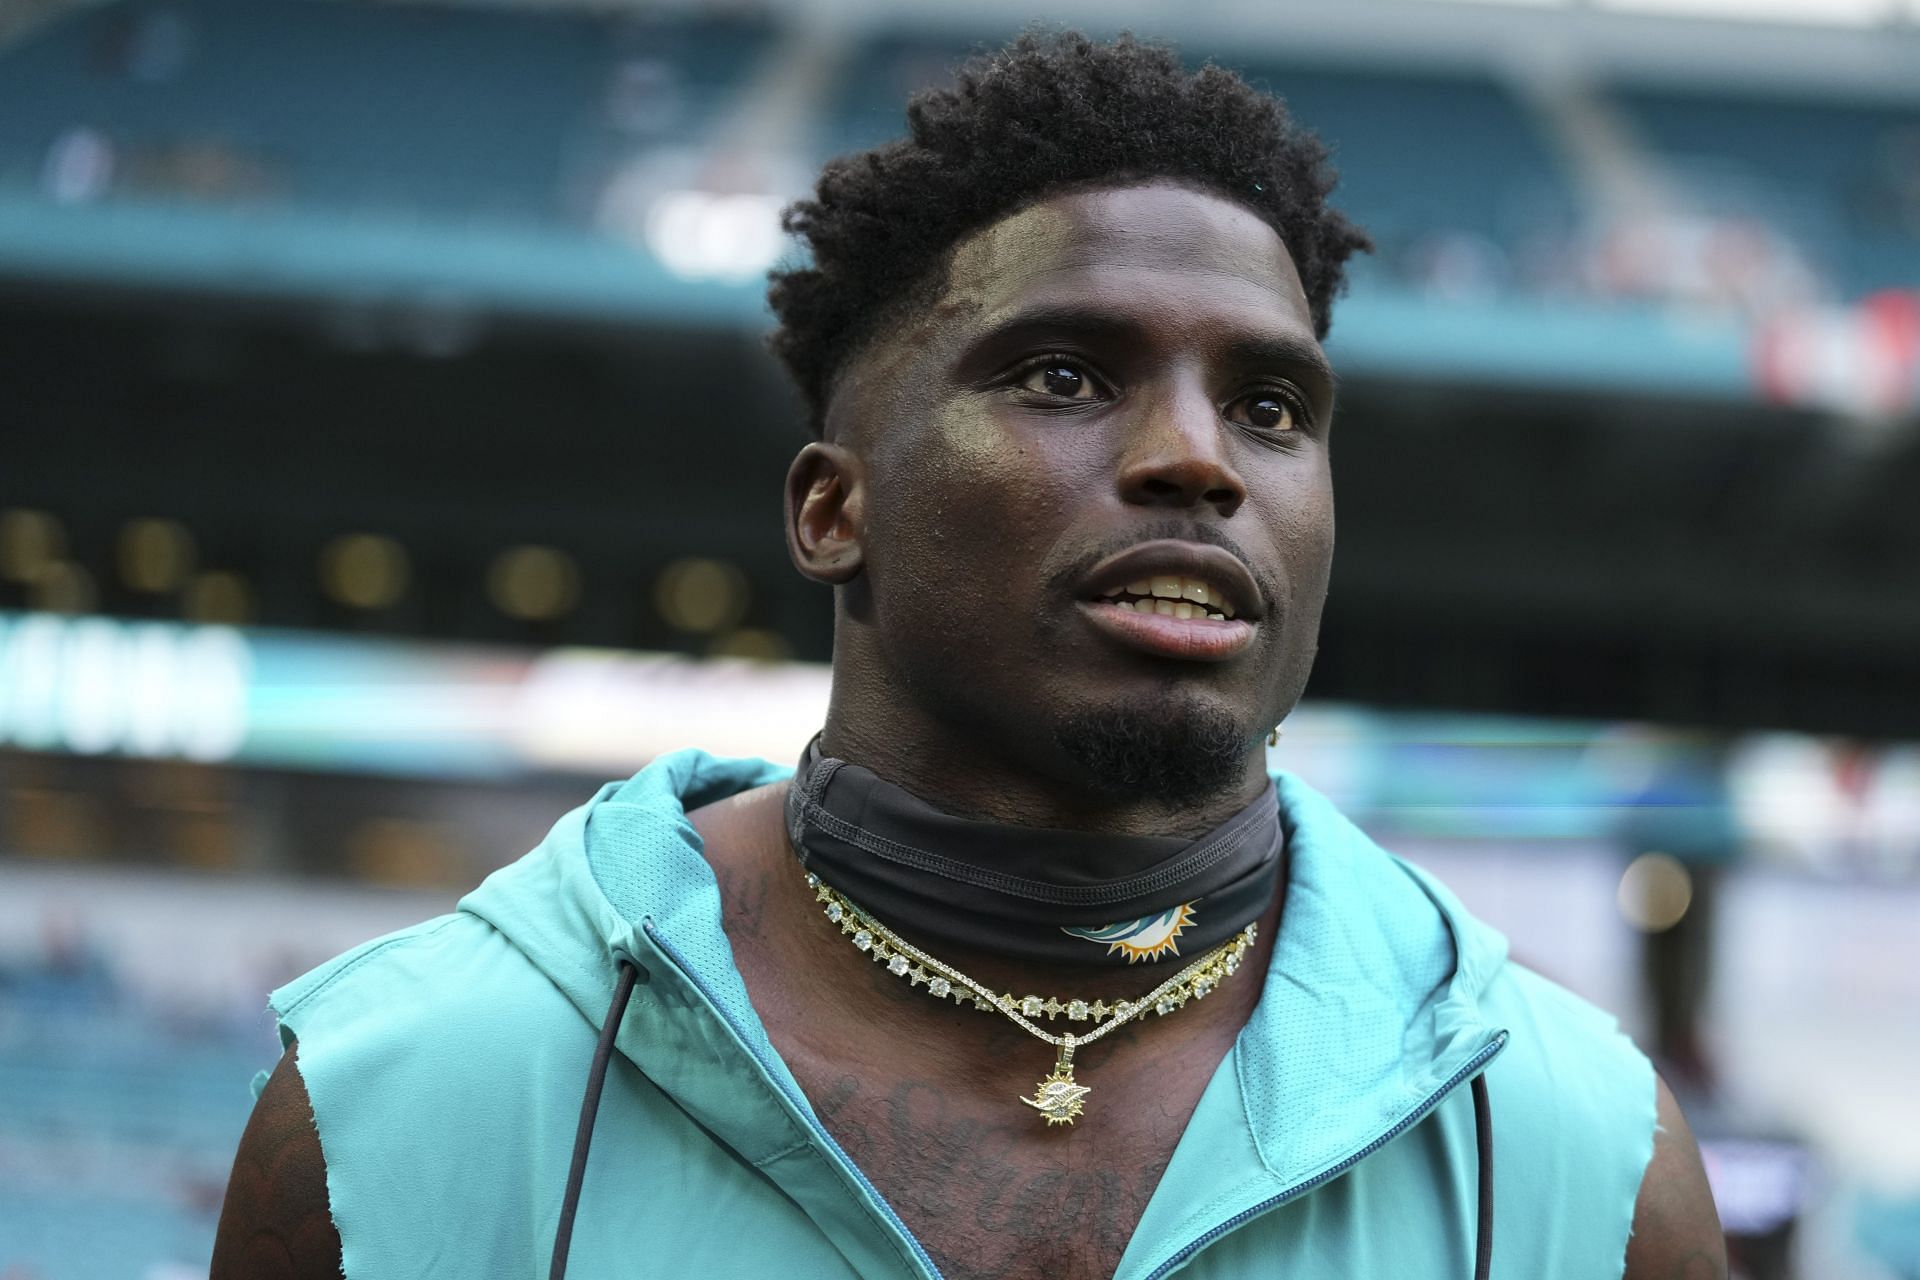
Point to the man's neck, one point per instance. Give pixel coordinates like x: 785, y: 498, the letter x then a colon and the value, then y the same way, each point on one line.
x: 1022, y: 781
x: 770, y: 909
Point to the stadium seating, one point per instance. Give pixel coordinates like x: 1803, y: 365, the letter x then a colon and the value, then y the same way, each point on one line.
x: 432, y: 111
x: 1842, y: 179
x: 117, y: 1133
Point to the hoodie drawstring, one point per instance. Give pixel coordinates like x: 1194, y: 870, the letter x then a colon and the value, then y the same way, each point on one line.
x: 1483, y: 1148
x: 590, y: 1107
x: 603, y: 1054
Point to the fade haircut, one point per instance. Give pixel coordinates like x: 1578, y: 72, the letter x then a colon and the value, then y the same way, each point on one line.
x: 1045, y: 115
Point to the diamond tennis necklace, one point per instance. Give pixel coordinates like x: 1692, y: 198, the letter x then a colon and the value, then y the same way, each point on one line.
x: 1058, y: 1097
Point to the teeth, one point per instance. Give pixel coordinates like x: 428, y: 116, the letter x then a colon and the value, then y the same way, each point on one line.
x: 1173, y: 587
x: 1175, y: 596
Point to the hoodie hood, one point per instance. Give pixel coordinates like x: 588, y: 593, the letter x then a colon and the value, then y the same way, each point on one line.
x: 1370, y: 1014
x: 624, y: 877
x: 1372, y: 994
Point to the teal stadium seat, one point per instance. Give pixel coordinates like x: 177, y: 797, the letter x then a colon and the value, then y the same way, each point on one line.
x: 1839, y: 178
x: 439, y: 112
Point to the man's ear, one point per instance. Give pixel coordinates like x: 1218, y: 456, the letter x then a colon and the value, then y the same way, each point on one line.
x: 826, y: 502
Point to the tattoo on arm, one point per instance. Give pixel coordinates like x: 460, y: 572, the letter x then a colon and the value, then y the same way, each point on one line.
x: 276, y: 1223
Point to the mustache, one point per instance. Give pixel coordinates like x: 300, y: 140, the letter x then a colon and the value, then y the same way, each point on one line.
x: 1070, y: 576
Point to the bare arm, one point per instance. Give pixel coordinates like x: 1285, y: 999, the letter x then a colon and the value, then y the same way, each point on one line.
x: 1676, y: 1230
x: 276, y: 1224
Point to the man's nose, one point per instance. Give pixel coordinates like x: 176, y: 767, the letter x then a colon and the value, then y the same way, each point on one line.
x: 1176, y: 454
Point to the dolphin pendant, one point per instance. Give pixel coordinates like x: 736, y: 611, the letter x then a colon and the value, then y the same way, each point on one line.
x: 1057, y: 1097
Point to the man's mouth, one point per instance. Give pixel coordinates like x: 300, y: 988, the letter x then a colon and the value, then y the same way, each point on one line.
x: 1174, y: 599
x: 1172, y: 596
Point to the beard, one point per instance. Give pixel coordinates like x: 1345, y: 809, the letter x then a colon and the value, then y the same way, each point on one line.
x: 1177, y: 756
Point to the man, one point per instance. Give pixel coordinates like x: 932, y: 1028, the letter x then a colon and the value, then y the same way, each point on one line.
x: 1031, y: 970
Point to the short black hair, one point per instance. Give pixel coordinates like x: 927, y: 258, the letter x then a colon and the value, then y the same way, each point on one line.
x: 1046, y: 114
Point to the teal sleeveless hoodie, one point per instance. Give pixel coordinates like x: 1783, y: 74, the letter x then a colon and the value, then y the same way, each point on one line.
x: 446, y: 1065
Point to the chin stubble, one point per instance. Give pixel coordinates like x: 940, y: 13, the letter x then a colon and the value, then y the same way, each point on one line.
x: 1176, y: 758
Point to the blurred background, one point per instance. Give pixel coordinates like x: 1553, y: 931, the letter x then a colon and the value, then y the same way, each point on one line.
x: 388, y: 455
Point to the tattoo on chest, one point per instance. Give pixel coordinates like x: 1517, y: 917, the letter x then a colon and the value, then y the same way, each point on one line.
x: 985, y: 1198
x: 743, y: 900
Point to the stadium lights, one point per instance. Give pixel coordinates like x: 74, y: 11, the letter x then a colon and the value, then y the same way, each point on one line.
x: 156, y: 556
x: 1655, y: 892
x: 364, y: 570
x: 704, y: 235
x: 29, y: 542
x: 533, y: 584
x: 701, y: 596
x: 218, y: 595
x: 62, y: 587
x: 757, y: 644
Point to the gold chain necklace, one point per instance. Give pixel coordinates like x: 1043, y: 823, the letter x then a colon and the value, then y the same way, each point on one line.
x: 1058, y: 1097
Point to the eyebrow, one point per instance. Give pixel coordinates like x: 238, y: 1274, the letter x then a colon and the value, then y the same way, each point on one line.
x: 1287, y: 351
x: 1265, y: 350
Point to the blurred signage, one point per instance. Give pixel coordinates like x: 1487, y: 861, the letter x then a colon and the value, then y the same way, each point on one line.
x: 289, y: 699
x: 92, y: 685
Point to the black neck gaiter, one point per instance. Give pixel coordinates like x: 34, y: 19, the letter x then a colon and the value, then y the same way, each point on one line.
x: 1030, y: 893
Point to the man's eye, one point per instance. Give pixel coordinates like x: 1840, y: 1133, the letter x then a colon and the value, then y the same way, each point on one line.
x: 1267, y: 411
x: 1061, y: 379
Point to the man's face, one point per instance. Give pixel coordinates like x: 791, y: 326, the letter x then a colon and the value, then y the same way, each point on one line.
x: 1116, y: 387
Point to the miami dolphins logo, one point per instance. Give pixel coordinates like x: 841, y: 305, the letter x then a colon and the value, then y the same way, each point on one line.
x: 1148, y: 938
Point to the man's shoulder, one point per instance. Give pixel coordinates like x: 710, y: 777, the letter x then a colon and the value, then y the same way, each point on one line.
x: 1519, y: 996
x: 1555, y: 1038
x: 450, y: 980
x: 366, y: 962
x: 416, y: 956
x: 1568, y: 1068
x: 423, y: 1030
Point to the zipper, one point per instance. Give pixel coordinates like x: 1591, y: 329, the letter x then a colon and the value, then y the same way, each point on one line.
x: 1467, y: 1072
x: 801, y: 1109
x: 804, y: 1113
